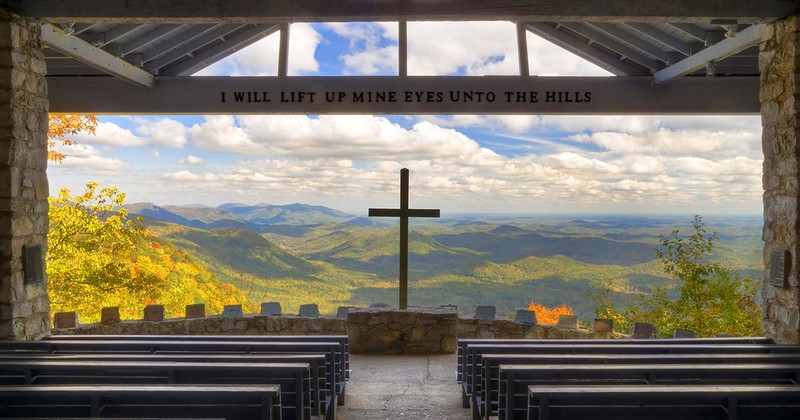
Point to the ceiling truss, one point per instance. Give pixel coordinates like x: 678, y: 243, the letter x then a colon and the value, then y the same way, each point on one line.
x: 153, y: 38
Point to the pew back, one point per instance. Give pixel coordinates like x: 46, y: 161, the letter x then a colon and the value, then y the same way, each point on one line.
x: 230, y: 402
x: 515, y: 379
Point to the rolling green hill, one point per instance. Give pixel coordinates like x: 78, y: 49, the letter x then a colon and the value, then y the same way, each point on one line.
x: 229, y: 252
x: 467, y: 262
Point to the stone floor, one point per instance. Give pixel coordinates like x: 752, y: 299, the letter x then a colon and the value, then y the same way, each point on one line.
x: 403, y: 387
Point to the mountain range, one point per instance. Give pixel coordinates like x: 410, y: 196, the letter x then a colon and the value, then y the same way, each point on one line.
x: 300, y: 253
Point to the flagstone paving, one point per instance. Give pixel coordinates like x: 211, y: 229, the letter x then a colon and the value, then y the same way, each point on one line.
x: 403, y: 387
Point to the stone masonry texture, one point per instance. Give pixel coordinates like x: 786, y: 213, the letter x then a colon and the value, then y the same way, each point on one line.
x: 357, y: 329
x: 24, y: 308
x: 778, y: 62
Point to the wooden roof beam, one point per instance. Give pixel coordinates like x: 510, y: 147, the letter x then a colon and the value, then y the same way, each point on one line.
x: 81, y: 50
x: 280, y: 11
x: 719, y: 51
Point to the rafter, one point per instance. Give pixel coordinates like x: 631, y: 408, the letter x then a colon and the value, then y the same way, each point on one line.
x: 571, y: 44
x: 663, y: 37
x: 176, y: 41
x: 743, y: 40
x: 630, y: 39
x: 190, y: 46
x: 148, y: 37
x: 614, y: 45
x: 71, y: 46
x: 276, y: 11
x: 217, y: 52
x: 694, y: 31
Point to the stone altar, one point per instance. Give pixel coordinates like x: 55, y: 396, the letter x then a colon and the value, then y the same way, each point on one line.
x: 403, y: 331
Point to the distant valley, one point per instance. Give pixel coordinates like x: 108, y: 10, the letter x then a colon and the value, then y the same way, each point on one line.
x: 299, y: 254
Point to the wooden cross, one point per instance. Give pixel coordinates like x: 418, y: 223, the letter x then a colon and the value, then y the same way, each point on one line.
x: 403, y: 213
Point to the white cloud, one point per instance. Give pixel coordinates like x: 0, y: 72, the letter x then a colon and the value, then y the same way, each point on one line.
x: 192, y: 160
x: 261, y: 58
x: 162, y: 132
x: 85, y: 159
x: 356, y: 158
x: 472, y: 48
x: 350, y: 137
x: 108, y: 133
x: 190, y: 176
x: 146, y: 132
x: 682, y: 142
x: 366, y: 55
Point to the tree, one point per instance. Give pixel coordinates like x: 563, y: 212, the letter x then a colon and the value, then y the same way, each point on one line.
x: 710, y: 298
x: 545, y: 315
x: 606, y: 308
x: 91, y: 251
x: 63, y: 125
x: 97, y: 256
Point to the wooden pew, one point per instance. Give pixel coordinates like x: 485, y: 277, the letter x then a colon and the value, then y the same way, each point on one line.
x: 664, y: 402
x: 473, y: 380
x: 341, y: 339
x: 334, y: 374
x: 230, y: 402
x: 315, y: 361
x: 515, y: 379
x: 487, y: 398
x: 293, y: 378
x: 464, y: 342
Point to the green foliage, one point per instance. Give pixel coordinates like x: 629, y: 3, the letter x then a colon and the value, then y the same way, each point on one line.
x: 709, y: 298
x: 606, y: 306
x: 90, y: 254
x: 97, y: 256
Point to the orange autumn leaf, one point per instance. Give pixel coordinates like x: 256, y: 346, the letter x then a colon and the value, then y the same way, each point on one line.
x: 63, y: 125
x: 545, y: 315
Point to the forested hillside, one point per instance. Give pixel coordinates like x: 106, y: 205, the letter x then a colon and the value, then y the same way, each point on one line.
x: 508, y: 261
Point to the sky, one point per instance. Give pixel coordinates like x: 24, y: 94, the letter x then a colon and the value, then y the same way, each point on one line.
x: 461, y: 164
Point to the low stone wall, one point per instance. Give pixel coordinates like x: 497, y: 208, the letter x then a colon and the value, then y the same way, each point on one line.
x: 501, y: 328
x: 249, y: 325
x: 409, y: 331
x: 292, y: 325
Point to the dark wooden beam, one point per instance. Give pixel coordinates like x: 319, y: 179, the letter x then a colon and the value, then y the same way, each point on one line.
x: 405, y: 95
x: 277, y: 11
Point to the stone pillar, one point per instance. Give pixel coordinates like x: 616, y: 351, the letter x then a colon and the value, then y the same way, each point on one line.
x: 24, y: 306
x: 780, y: 76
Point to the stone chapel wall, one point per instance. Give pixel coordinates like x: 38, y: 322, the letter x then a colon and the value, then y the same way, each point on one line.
x: 778, y: 62
x: 24, y: 306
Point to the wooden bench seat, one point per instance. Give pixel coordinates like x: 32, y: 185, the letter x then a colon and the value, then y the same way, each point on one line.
x: 341, y: 339
x: 515, y: 379
x: 464, y: 342
x: 229, y: 402
x: 293, y: 378
x: 315, y: 361
x: 657, y: 402
x: 473, y: 378
x: 489, y: 394
x: 334, y: 374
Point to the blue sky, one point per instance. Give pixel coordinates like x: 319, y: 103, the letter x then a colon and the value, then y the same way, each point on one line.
x: 520, y: 163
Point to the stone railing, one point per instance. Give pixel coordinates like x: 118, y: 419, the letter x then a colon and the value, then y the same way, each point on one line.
x: 217, y: 325
x: 502, y: 328
x: 295, y: 325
